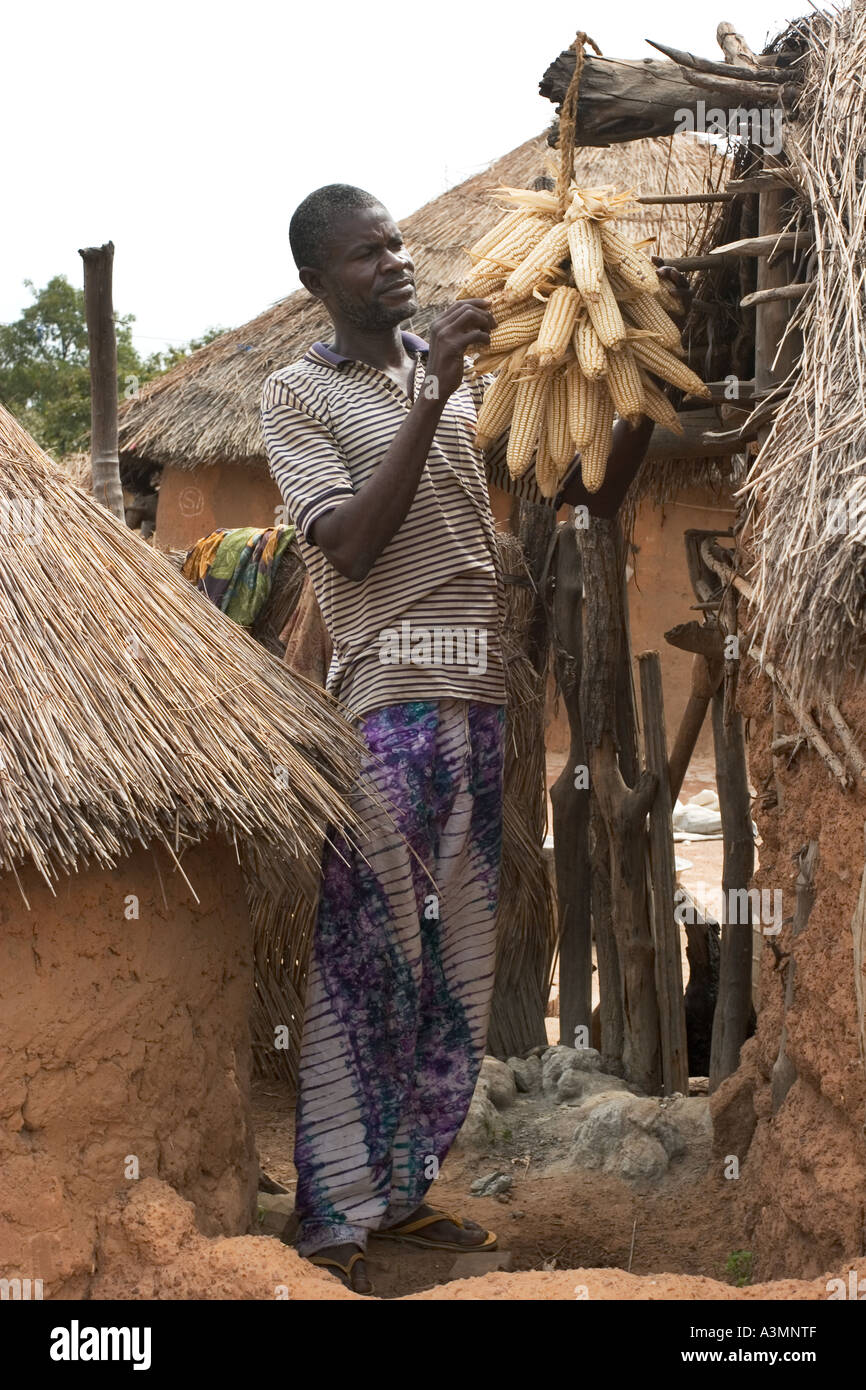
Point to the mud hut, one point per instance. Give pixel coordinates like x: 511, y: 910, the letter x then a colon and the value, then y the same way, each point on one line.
x: 199, y: 423
x: 150, y: 752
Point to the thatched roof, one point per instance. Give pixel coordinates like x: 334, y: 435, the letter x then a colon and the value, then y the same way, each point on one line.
x: 131, y: 710
x: 807, y: 488
x: 206, y: 410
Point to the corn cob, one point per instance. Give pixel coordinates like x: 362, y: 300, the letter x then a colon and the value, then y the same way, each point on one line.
x: 517, y: 329
x: 546, y: 472
x: 557, y: 325
x: 491, y: 239
x: 587, y: 262
x: 544, y: 256
x: 518, y: 241
x: 663, y: 364
x: 557, y: 423
x: 627, y: 260
x: 606, y: 317
x: 483, y: 280
x: 594, y: 455
x: 645, y: 311
x: 496, y: 410
x: 529, y: 407
x: 583, y: 405
x: 589, y: 349
x: 624, y: 384
x: 487, y: 362
x: 659, y: 408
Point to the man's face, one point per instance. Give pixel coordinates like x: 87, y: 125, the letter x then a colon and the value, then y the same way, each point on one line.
x: 368, y: 277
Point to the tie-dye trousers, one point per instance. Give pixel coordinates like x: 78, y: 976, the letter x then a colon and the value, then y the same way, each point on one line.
x: 401, y: 970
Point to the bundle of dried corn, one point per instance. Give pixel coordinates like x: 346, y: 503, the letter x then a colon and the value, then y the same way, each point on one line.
x: 583, y: 332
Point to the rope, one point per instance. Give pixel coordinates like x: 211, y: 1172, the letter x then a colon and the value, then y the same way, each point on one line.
x: 568, y: 120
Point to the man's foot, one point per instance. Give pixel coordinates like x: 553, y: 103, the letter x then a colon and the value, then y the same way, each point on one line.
x: 337, y: 1259
x: 468, y: 1235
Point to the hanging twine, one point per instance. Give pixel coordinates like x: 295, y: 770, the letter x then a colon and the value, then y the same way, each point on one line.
x: 568, y: 120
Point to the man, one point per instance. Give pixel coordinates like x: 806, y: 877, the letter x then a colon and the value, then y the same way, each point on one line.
x: 371, y: 441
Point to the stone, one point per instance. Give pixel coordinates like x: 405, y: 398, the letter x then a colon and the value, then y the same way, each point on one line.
x: 491, y: 1185
x: 476, y: 1263
x: 501, y: 1086
x: 578, y: 1085
x: 641, y: 1158
x: 560, y: 1059
x: 526, y: 1072
x: 479, y: 1128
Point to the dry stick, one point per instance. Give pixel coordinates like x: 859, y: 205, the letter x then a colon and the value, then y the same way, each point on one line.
x: 778, y: 292
x: 102, y: 344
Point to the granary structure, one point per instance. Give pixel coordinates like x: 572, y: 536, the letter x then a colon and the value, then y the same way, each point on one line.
x: 152, y: 757
x: 780, y: 311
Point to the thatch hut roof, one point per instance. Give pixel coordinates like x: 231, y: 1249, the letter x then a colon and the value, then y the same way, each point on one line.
x: 131, y: 710
x: 807, y: 488
x: 206, y: 410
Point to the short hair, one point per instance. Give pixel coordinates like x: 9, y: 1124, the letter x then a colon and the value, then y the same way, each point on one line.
x: 314, y: 218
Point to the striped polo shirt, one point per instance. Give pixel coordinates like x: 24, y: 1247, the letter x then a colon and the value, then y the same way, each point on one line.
x: 425, y: 623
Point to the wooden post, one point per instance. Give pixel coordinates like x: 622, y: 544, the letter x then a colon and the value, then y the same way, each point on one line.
x: 666, y: 935
x: 569, y: 798
x: 731, y: 1021
x: 624, y: 808
x: 102, y: 343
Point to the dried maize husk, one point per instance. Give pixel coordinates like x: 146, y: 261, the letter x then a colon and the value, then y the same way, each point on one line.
x: 632, y: 264
x: 557, y: 325
x: 481, y: 281
x: 587, y: 262
x: 659, y: 408
x: 663, y: 364
x: 529, y: 407
x: 589, y: 349
x: 606, y: 317
x: 624, y: 383
x: 544, y: 257
x: 594, y: 455
x: 557, y: 423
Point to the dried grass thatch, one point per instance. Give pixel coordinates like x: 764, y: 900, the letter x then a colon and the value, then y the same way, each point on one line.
x: 132, y: 711
x: 810, y: 571
x: 206, y: 410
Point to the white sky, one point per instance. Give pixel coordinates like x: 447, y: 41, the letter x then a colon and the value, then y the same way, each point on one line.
x: 187, y: 132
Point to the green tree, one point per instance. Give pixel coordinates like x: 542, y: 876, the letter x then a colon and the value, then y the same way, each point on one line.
x: 44, y: 371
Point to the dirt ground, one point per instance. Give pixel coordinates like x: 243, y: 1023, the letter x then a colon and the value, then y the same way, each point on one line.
x: 690, y: 1226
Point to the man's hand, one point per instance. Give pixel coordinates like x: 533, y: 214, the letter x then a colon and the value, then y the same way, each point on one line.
x: 677, y: 282
x: 468, y: 323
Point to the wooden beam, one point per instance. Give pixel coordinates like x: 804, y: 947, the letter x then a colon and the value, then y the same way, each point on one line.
x: 706, y: 678
x: 666, y: 936
x: 677, y: 198
x: 631, y: 99
x: 696, y: 441
x: 102, y: 345
x: 730, y: 71
x: 771, y: 245
x: 734, y: 46
x: 777, y: 292
x: 708, y: 262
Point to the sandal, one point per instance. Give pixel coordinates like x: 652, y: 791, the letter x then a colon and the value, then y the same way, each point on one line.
x: 325, y: 1262
x: 407, y: 1231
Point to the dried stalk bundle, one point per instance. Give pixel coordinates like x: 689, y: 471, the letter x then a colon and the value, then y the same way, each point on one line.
x: 806, y: 493
x: 133, y: 711
x: 584, y: 306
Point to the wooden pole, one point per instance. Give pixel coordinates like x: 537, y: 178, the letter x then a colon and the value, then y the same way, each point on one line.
x: 102, y: 343
x: 666, y: 936
x: 570, y: 800
x: 731, y: 1021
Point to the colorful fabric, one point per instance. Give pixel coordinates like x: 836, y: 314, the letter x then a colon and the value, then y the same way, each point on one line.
x: 236, y: 568
x: 401, y: 970
x: 327, y: 422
